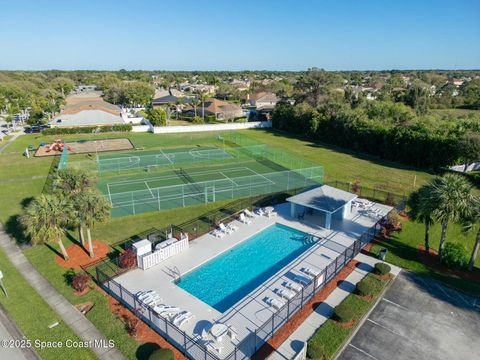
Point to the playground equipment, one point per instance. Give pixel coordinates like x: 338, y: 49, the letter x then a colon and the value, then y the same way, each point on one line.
x: 57, y: 145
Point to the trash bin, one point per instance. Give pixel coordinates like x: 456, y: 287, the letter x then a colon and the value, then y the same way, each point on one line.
x: 382, y: 253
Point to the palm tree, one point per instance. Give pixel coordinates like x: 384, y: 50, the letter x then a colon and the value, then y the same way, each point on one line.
x: 203, y: 98
x: 471, y: 222
x: 92, y: 207
x: 421, y: 210
x: 72, y: 182
x: 450, y: 196
x: 45, y: 219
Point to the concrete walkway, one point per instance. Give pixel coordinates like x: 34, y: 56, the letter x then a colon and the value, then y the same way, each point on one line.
x: 12, y: 139
x: 70, y: 315
x: 324, y: 311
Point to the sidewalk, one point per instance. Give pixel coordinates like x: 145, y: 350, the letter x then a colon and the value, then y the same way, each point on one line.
x: 70, y: 315
x: 293, y: 344
x: 9, y: 141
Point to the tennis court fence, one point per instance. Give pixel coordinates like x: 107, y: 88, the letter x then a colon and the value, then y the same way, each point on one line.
x: 196, y: 193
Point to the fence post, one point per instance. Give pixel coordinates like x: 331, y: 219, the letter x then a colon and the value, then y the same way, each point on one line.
x: 336, y: 265
x: 255, y: 340
x: 185, y: 342
x: 273, y: 322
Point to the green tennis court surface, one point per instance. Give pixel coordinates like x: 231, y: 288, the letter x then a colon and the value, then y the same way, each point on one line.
x: 199, y: 185
x: 144, y: 159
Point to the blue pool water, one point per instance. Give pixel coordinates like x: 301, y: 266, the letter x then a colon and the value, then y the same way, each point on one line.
x: 231, y: 276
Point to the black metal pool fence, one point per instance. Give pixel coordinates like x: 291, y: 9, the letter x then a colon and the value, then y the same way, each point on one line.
x: 194, y: 347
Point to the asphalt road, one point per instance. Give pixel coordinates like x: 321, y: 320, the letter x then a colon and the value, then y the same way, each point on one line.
x: 418, y: 318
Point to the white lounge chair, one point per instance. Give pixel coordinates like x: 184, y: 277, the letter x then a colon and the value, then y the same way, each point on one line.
x: 232, y: 333
x: 232, y: 226
x: 276, y: 303
x: 173, y: 311
x: 180, y: 318
x: 261, y: 212
x: 185, y: 320
x: 211, y: 346
x: 311, y: 272
x: 250, y: 214
x: 271, y: 214
x: 143, y: 294
x: 287, y: 294
x: 224, y: 229
x: 217, y: 233
x: 302, y: 280
x: 244, y: 219
x: 294, y: 286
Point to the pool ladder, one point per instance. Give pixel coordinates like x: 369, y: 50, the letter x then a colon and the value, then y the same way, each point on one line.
x: 176, y: 274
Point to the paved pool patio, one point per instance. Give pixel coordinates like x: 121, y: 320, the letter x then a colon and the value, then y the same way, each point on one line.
x: 251, y: 312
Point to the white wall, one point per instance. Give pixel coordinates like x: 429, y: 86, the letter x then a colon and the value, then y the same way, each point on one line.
x: 212, y: 127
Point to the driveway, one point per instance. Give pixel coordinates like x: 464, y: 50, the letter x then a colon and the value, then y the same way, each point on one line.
x: 418, y: 318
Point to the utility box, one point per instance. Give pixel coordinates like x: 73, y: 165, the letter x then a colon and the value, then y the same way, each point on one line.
x: 382, y: 253
x: 142, y: 247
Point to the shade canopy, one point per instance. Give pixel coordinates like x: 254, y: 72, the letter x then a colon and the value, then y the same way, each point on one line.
x: 324, y: 198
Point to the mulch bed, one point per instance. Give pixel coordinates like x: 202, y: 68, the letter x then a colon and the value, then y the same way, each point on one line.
x: 88, y: 146
x: 431, y: 260
x: 296, y: 320
x: 79, y: 256
x: 145, y: 334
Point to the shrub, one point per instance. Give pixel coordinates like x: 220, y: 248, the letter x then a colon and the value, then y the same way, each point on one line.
x: 382, y: 269
x: 80, y: 282
x: 87, y: 129
x: 455, y: 256
x: 127, y: 259
x: 131, y: 323
x: 343, y: 313
x: 315, y: 350
x: 161, y: 354
x: 393, y: 219
x: 364, y: 288
x: 197, y: 120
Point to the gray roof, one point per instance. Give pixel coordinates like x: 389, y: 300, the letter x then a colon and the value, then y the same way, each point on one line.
x: 87, y: 118
x: 323, y: 198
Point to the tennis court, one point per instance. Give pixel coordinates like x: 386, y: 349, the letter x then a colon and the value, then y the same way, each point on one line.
x: 199, y: 185
x: 145, y: 159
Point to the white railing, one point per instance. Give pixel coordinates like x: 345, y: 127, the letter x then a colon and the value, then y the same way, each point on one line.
x: 148, y: 260
x: 211, y: 127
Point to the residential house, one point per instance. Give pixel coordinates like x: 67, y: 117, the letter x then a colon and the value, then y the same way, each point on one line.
x: 222, y: 110
x: 262, y: 100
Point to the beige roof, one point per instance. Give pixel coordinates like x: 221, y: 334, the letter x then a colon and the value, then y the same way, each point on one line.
x: 88, y: 101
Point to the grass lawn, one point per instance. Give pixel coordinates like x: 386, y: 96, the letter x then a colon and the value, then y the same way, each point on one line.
x: 33, y: 315
x: 330, y: 336
x: 343, y: 165
x: 403, y: 251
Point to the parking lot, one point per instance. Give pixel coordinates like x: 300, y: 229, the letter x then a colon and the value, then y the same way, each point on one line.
x: 418, y: 318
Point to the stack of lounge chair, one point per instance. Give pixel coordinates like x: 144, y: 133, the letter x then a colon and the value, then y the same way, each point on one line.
x: 183, y: 318
x: 264, y: 212
x: 244, y: 219
x: 148, y: 298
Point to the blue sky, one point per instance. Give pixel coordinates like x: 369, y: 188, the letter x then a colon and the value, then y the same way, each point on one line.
x: 238, y: 35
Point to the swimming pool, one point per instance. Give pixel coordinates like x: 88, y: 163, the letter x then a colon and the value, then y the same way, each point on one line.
x: 229, y: 277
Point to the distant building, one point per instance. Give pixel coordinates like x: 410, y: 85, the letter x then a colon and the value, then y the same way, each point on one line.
x: 170, y: 97
x: 262, y: 100
x: 220, y: 109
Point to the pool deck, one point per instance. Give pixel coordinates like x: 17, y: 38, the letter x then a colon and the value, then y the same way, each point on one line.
x: 252, y: 311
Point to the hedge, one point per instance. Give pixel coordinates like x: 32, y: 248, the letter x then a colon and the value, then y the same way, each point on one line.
x: 315, y: 350
x: 87, y: 129
x: 343, y: 313
x: 455, y: 256
x: 364, y: 288
x: 382, y: 269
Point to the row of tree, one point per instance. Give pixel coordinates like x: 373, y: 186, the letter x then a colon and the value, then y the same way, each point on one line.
x: 386, y: 129
x: 447, y: 199
x: 74, y: 203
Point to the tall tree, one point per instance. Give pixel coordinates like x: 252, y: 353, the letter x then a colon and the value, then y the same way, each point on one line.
x: 471, y: 223
x: 203, y: 98
x: 71, y: 183
x: 45, y: 220
x: 93, y: 208
x: 469, y: 148
x: 450, y: 196
x: 421, y: 210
